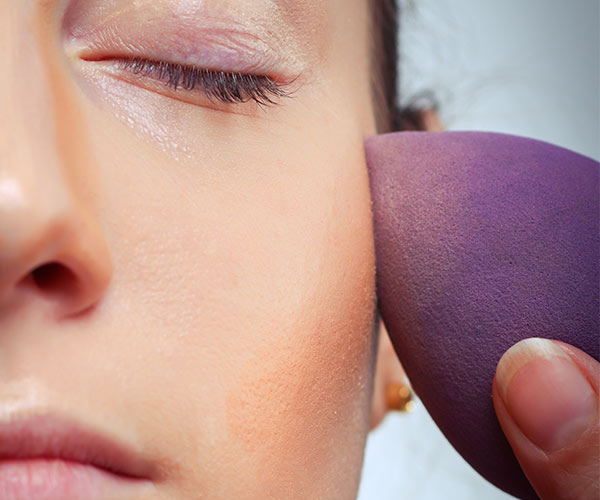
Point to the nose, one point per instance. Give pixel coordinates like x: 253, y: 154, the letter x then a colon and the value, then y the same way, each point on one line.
x: 51, y: 248
x: 53, y: 252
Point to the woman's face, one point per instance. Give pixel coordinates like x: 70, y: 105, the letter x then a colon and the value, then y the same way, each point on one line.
x: 190, y: 277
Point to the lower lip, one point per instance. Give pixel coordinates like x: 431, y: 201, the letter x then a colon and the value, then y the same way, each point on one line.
x: 55, y: 479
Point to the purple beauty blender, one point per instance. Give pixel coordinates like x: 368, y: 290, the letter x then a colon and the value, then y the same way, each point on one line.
x: 481, y: 239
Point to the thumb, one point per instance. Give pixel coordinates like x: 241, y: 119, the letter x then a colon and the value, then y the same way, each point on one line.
x: 545, y: 394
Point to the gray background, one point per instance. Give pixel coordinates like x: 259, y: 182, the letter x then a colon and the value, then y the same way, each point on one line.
x: 526, y: 67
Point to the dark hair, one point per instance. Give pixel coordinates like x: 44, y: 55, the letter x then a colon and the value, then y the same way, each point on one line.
x: 390, y: 115
x: 384, y: 24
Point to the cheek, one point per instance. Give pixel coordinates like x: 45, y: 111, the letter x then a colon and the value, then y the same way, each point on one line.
x: 302, y: 392
x: 301, y: 398
x: 254, y: 284
x: 300, y: 403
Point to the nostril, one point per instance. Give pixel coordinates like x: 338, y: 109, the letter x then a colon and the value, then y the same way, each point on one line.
x: 54, y: 279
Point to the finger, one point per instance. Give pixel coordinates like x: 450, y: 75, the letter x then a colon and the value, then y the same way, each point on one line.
x: 545, y: 393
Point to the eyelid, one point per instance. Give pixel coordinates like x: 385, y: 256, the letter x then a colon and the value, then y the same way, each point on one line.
x: 215, y: 47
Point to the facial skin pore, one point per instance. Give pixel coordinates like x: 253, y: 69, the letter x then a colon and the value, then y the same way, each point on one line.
x: 194, y: 278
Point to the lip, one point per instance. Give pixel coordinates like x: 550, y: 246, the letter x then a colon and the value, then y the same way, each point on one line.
x: 61, y: 457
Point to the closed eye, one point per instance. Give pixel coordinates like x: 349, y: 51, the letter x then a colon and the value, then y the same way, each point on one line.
x: 226, y: 87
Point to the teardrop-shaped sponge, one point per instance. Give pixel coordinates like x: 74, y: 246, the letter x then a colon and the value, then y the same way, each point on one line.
x: 481, y: 239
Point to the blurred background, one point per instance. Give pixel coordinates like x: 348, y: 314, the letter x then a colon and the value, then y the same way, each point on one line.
x: 525, y: 67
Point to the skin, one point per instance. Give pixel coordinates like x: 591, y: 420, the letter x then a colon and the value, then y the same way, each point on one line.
x: 202, y: 274
x: 197, y: 279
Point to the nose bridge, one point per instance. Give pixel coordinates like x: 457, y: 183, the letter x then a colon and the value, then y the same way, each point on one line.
x: 32, y: 190
x: 24, y: 97
x: 45, y: 164
x: 29, y: 150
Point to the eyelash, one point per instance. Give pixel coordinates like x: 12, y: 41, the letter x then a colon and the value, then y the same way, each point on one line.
x: 227, y: 87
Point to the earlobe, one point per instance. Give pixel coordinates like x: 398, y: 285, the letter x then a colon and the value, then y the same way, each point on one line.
x: 391, y: 388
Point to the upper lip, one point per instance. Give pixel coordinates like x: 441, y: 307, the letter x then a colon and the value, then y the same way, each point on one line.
x: 54, y: 436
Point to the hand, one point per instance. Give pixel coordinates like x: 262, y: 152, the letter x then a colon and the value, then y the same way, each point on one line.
x: 545, y: 394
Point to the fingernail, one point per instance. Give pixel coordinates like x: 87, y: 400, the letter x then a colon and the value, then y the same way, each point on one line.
x: 545, y: 393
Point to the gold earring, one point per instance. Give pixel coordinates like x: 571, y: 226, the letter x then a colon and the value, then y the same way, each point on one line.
x: 399, y: 397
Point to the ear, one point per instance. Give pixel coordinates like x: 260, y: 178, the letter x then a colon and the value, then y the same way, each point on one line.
x: 432, y: 121
x: 388, y: 370
x: 426, y: 119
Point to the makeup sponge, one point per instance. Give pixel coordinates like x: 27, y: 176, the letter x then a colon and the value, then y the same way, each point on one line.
x: 481, y: 239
